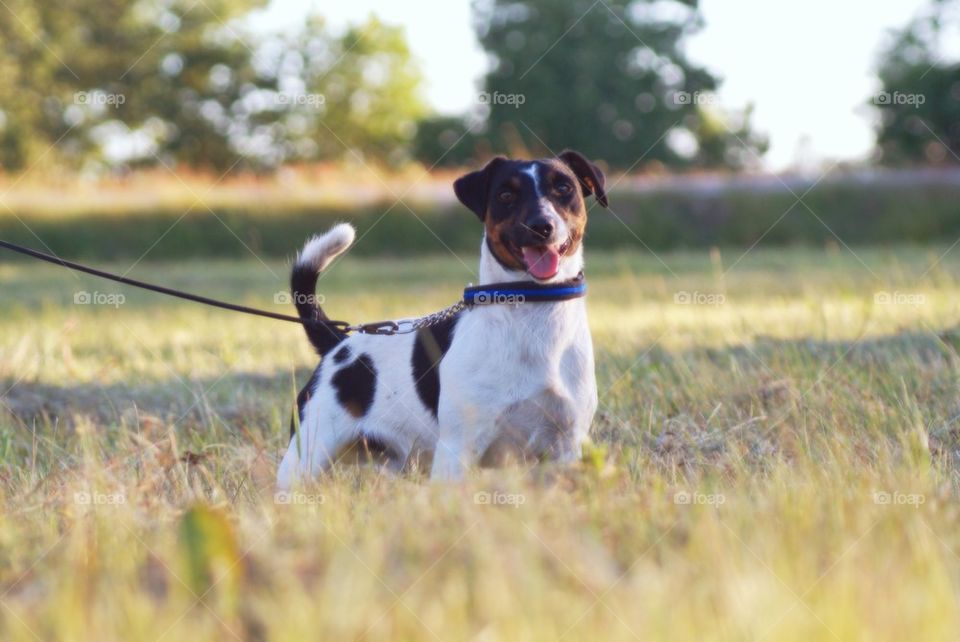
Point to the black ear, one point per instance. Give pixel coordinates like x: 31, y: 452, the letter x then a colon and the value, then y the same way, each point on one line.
x: 591, y: 178
x: 473, y: 189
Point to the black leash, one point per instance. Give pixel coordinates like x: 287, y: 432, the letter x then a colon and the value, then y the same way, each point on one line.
x: 512, y: 293
x: 155, y: 288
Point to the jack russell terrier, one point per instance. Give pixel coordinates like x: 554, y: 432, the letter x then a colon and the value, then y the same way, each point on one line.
x: 509, y: 377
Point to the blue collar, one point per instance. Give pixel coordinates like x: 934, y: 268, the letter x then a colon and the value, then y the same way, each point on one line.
x: 516, y: 292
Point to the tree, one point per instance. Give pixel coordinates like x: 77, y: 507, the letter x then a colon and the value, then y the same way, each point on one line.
x: 610, y: 79
x: 356, y: 94
x: 919, y: 100
x: 184, y: 95
x: 449, y: 141
x: 76, y: 75
x: 179, y: 81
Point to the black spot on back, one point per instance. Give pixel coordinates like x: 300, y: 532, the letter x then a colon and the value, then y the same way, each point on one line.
x: 303, y: 397
x: 355, y: 385
x: 428, y: 350
x: 342, y: 354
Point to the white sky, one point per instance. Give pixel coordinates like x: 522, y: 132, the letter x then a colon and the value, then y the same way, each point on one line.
x: 807, y: 67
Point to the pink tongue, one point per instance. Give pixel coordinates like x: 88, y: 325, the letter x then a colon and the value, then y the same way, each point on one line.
x: 542, y: 262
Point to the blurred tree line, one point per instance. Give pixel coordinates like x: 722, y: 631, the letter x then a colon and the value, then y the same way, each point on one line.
x: 181, y: 81
x: 919, y: 100
x: 610, y: 79
x: 100, y: 83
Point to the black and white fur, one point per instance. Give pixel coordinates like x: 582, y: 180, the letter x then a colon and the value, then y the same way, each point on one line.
x: 493, y: 384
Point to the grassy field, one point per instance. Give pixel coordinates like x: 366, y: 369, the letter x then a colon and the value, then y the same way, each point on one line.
x: 172, y: 217
x: 776, y: 457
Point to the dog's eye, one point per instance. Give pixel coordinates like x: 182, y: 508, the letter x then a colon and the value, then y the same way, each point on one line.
x: 506, y: 196
x: 563, y: 188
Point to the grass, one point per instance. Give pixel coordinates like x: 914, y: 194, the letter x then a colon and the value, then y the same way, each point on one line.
x: 776, y: 461
x: 169, y: 217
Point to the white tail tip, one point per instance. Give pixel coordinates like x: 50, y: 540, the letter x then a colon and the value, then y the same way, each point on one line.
x: 318, y: 251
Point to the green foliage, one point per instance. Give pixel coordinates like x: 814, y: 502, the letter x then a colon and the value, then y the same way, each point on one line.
x: 919, y: 102
x: 448, y: 141
x: 356, y: 94
x: 610, y: 79
x: 176, y: 81
x: 210, y: 552
x: 81, y: 72
x: 185, y: 94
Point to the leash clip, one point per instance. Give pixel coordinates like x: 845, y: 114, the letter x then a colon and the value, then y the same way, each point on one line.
x: 386, y: 328
x: 405, y: 326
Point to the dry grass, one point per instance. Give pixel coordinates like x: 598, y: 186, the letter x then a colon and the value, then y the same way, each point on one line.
x: 50, y: 195
x: 775, y: 463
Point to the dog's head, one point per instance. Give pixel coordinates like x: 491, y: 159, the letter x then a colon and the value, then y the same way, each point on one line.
x: 533, y: 212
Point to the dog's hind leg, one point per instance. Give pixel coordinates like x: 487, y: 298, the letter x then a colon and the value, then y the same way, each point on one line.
x: 314, y: 449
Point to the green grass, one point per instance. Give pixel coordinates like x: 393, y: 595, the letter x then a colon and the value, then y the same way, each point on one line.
x: 138, y: 445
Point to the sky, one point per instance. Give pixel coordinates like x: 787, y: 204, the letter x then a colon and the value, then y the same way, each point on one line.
x: 808, y: 68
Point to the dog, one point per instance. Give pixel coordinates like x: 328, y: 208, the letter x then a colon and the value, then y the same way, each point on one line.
x: 490, y: 385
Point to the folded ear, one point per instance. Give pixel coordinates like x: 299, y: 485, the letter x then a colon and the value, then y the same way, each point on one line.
x: 473, y: 189
x: 591, y: 178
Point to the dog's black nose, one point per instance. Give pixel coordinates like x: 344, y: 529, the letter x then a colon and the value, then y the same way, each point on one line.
x: 542, y: 227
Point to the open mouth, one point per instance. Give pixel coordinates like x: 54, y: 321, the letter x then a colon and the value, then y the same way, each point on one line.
x: 543, y: 261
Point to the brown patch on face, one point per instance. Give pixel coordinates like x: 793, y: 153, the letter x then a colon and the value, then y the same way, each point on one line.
x: 572, y: 208
x: 498, y: 229
x: 576, y: 229
x: 497, y: 233
x: 515, y: 203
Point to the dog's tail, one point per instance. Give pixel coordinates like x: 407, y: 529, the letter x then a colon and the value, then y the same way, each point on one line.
x: 315, y: 256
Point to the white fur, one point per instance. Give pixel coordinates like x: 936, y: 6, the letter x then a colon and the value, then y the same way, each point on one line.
x: 396, y: 417
x: 318, y: 251
x: 531, y: 171
x: 562, y: 231
x: 505, y: 355
x: 529, y: 367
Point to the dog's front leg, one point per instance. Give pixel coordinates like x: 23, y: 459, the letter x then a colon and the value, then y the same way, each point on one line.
x: 449, y: 465
x: 463, y: 438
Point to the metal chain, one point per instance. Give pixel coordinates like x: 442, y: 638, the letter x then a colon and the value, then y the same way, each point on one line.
x: 405, y: 326
x: 440, y: 316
